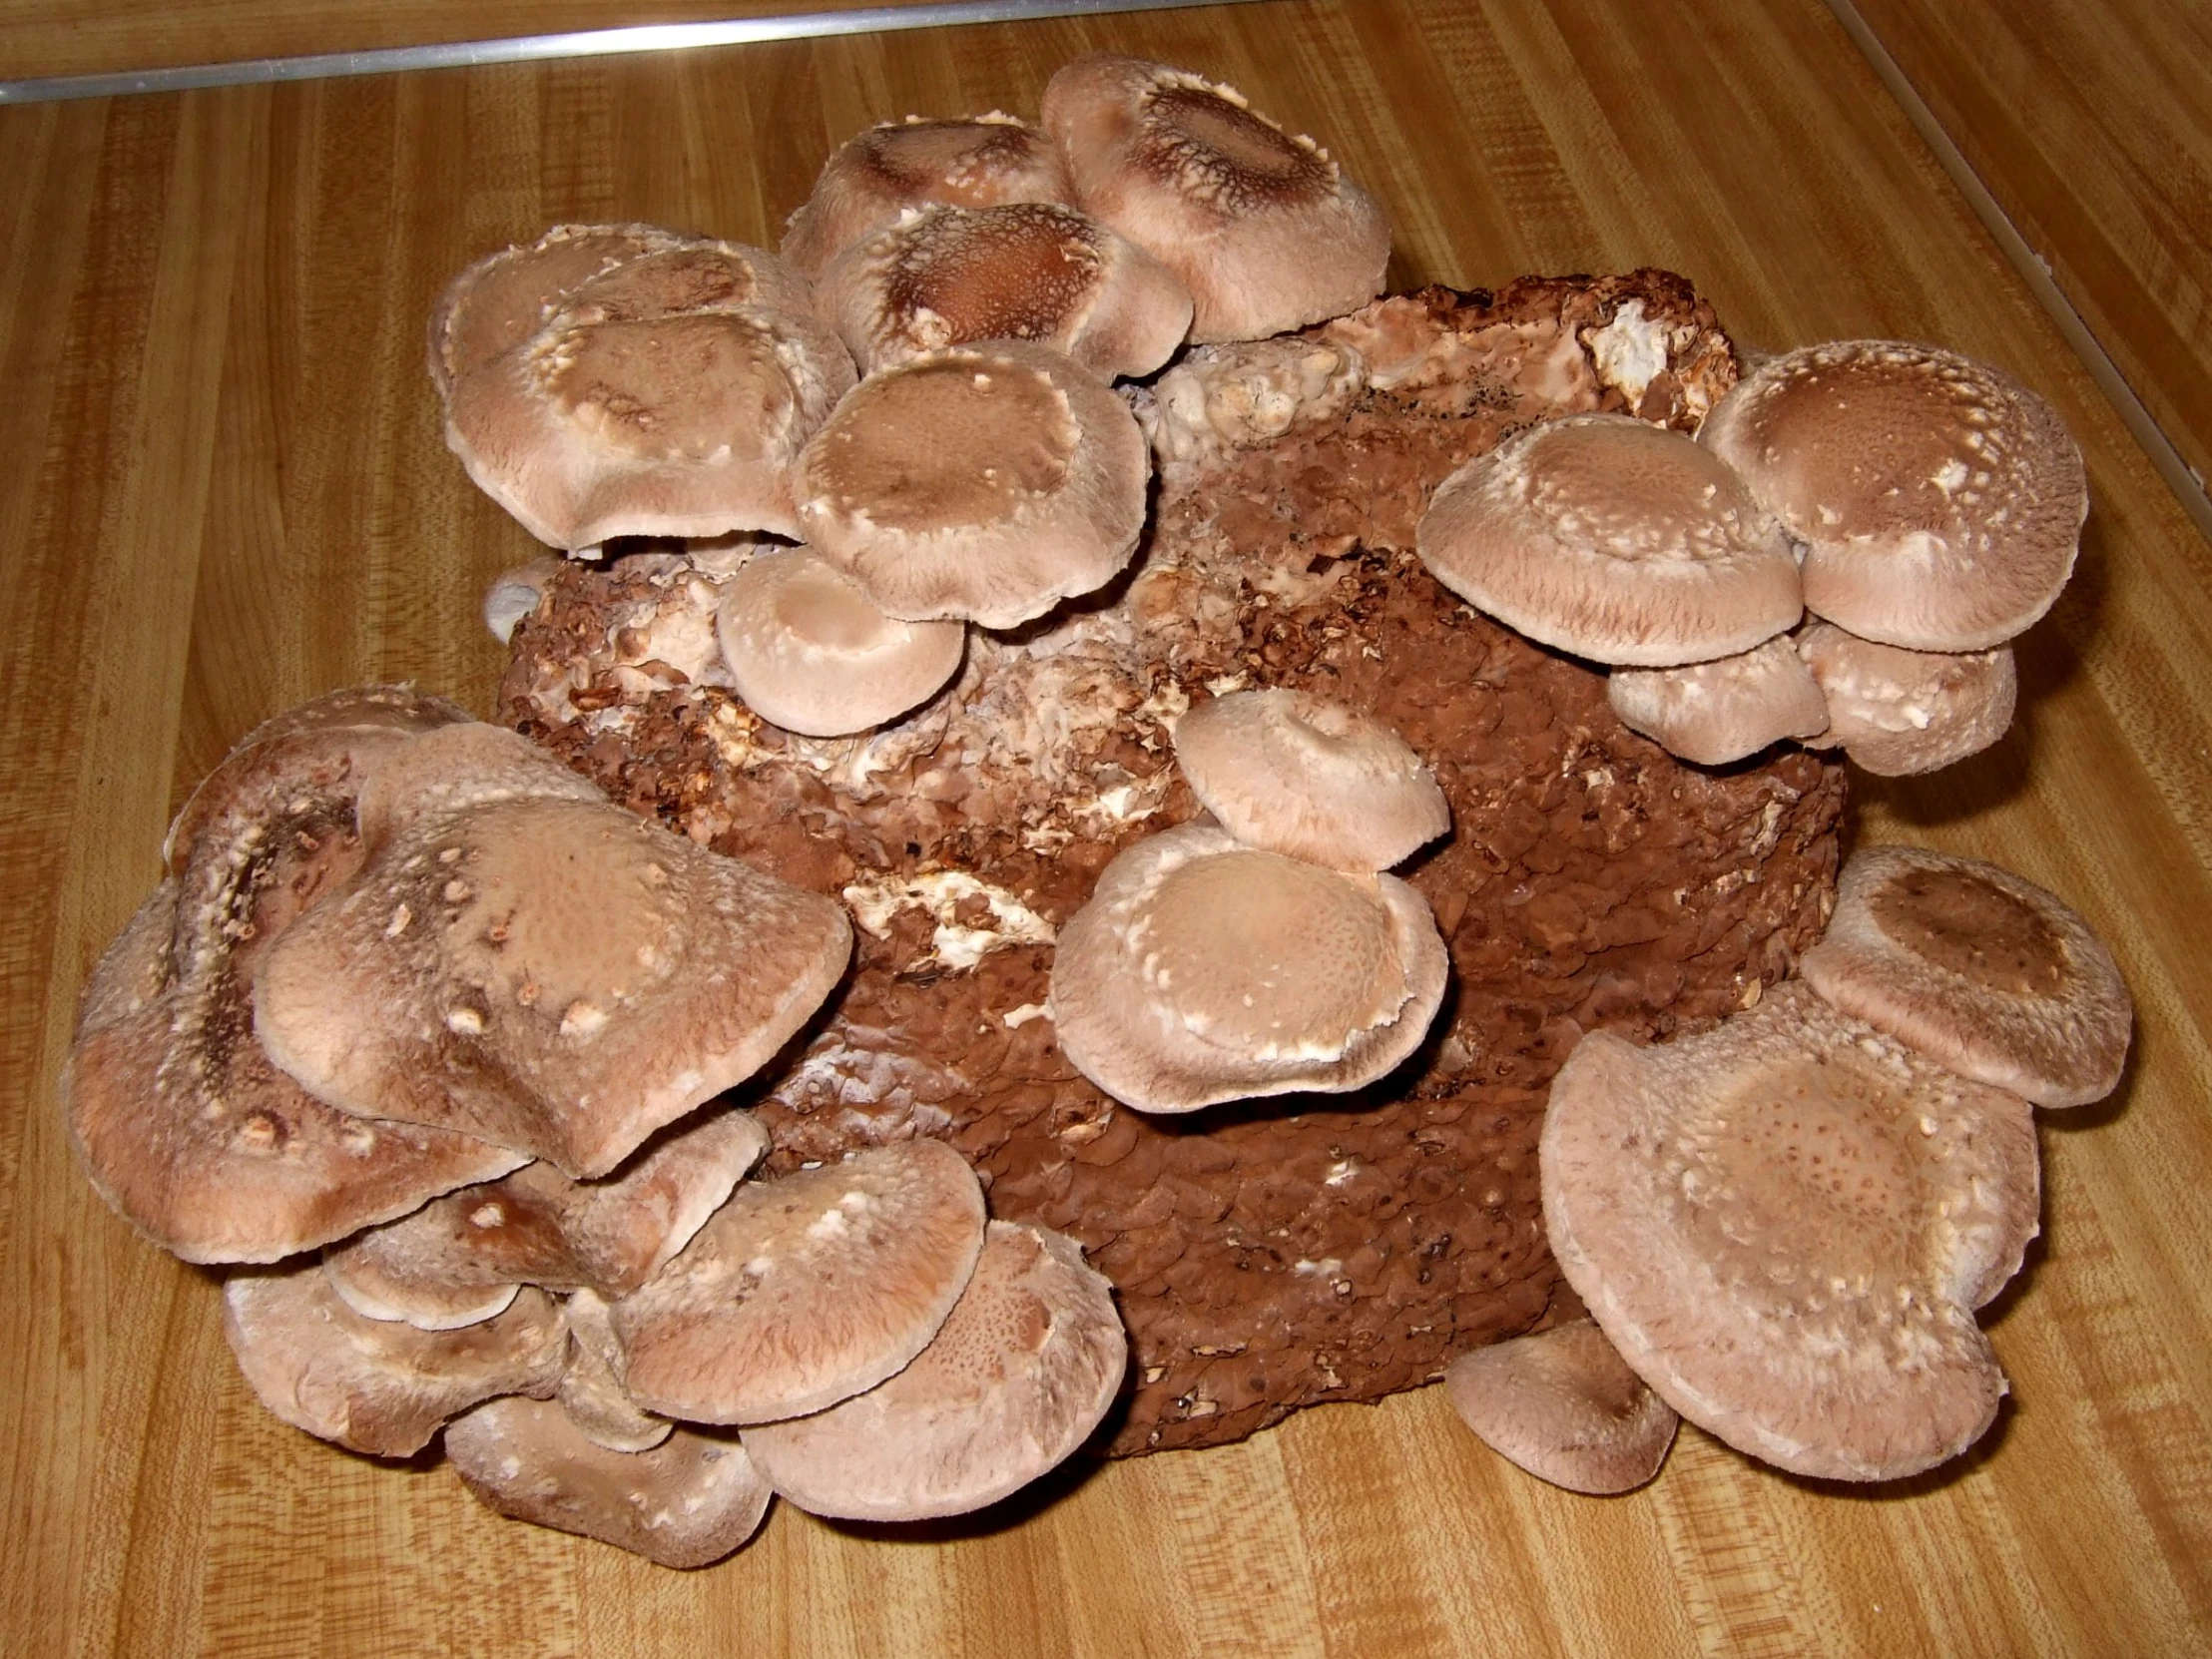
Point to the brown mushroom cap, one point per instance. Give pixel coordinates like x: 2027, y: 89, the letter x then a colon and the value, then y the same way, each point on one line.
x: 373, y: 1296
x: 1722, y: 711
x: 1263, y: 228
x: 1940, y: 501
x: 1785, y: 1225
x: 374, y: 1385
x: 987, y: 482
x: 1564, y: 1405
x: 868, y: 182
x: 1616, y: 540
x: 1291, y: 773
x: 1978, y: 969
x: 1202, y: 971
x: 552, y: 974
x: 1024, y: 1370
x: 1028, y: 271
x: 591, y: 1390
x: 807, y: 1289
x: 808, y: 649
x: 1899, y: 712
x: 684, y: 1503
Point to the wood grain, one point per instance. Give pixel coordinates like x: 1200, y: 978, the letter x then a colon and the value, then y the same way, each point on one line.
x: 226, y: 490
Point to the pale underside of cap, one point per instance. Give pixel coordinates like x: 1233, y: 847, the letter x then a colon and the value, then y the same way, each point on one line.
x: 1977, y: 969
x: 1896, y: 712
x: 1785, y: 1225
x: 1564, y: 1405
x: 1614, y: 540
x: 1723, y: 711
x: 1263, y: 227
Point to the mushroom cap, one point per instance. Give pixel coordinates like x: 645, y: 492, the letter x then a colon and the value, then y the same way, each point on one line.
x: 377, y: 1385
x: 591, y: 1390
x: 807, y: 1289
x: 685, y: 1502
x: 1263, y: 227
x: 1616, y: 540
x: 1022, y: 1370
x: 873, y: 178
x: 1564, y: 1405
x: 1899, y: 712
x: 808, y: 649
x: 1030, y: 271
x: 1785, y: 1225
x: 1291, y: 773
x: 549, y: 973
x: 1202, y: 971
x: 1725, y: 710
x: 989, y: 481
x: 1978, y: 969
x: 426, y: 1307
x: 1940, y: 501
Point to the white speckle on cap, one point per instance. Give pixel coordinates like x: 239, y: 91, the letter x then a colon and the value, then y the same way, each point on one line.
x: 582, y: 1019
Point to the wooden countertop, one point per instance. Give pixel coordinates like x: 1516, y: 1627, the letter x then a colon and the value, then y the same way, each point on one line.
x: 225, y: 491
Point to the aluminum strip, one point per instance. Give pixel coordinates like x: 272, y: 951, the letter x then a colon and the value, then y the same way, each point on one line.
x: 652, y: 37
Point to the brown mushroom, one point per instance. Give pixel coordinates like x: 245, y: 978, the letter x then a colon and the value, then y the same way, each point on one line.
x: 591, y: 1390
x: 1563, y: 1405
x: 1896, y: 712
x: 1722, y: 711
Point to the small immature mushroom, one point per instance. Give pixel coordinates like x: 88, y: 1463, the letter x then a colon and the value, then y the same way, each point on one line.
x: 516, y: 594
x: 376, y: 1386
x: 1024, y: 1370
x: 808, y: 649
x: 1978, y: 969
x: 1616, y: 540
x: 687, y: 1502
x: 1563, y: 1405
x: 1940, y: 501
x: 1028, y: 271
x: 591, y: 1389
x: 1722, y: 711
x: 1202, y: 971
x: 1785, y: 1225
x: 1896, y: 712
x: 1291, y: 773
x: 1263, y: 228
x: 987, y: 482
x: 900, y: 165
x: 805, y: 1290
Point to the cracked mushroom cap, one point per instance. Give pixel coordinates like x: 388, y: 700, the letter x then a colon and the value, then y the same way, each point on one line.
x: 1202, y: 971
x: 549, y: 973
x: 377, y: 1386
x: 685, y: 1502
x: 1896, y: 712
x: 1785, y: 1225
x: 1563, y: 1405
x: 987, y: 482
x: 1263, y: 227
x: 900, y: 165
x: 1288, y: 772
x: 1940, y: 501
x: 808, y: 649
x: 1616, y: 540
x: 1024, y: 1370
x: 1979, y: 971
x: 1028, y: 271
x: 1726, y: 710
x: 805, y: 1290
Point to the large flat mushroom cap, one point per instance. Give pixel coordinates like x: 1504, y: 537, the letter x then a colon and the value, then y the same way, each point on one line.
x: 685, y: 1502
x: 501, y: 299
x: 1896, y: 712
x: 1726, y: 710
x: 1564, y: 1405
x: 1940, y: 501
x: 805, y: 1290
x: 1024, y: 1368
x: 1978, y: 969
x: 1783, y: 1225
x: 1616, y: 540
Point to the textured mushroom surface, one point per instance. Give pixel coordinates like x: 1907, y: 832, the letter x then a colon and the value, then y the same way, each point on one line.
x: 807, y: 1289
x: 1785, y: 1226
x: 1723, y: 711
x: 1939, y: 500
x: 685, y: 1503
x: 377, y: 1386
x: 592, y: 1391
x: 1564, y: 1405
x: 1977, y: 969
x: 1899, y: 712
x: 1024, y: 1370
x: 1263, y: 227
x: 549, y: 973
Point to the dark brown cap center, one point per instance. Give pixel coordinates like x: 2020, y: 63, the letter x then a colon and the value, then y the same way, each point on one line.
x: 1225, y: 155
x: 1013, y: 272
x: 1967, y: 923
